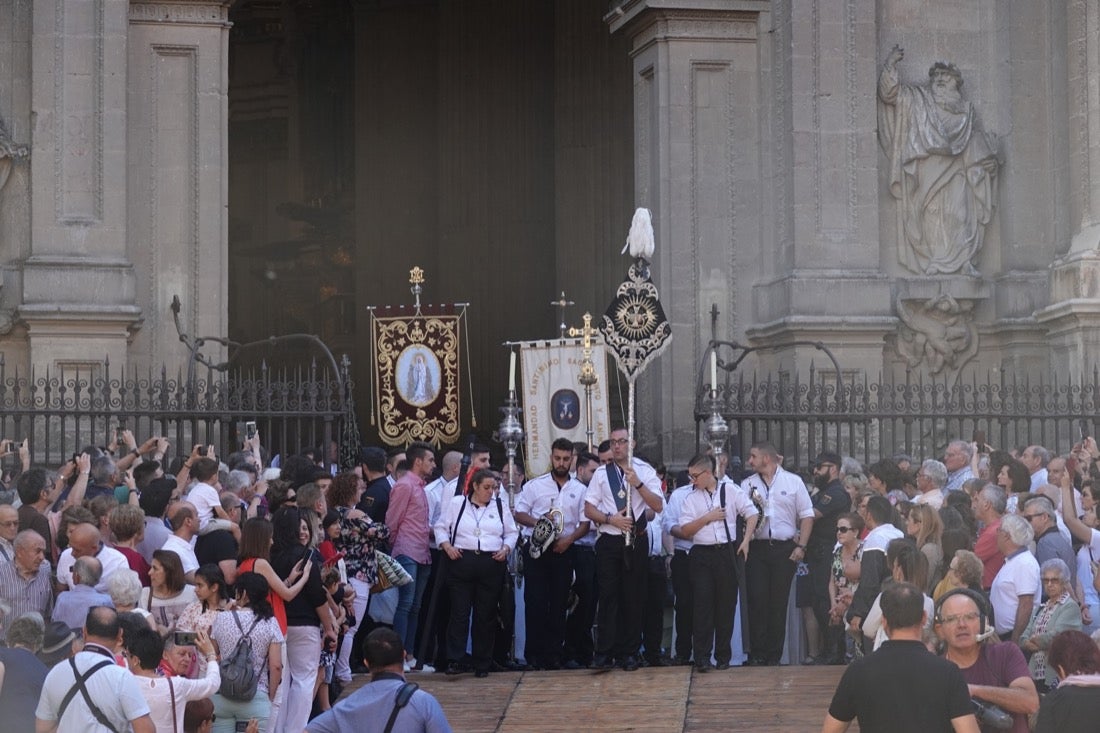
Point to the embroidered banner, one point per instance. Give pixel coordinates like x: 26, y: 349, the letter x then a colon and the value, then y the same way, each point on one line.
x: 416, y: 372
x: 553, y: 398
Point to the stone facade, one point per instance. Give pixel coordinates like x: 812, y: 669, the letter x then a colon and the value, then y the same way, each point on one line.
x: 509, y: 133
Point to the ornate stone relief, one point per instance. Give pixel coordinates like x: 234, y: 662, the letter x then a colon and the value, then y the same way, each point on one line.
x: 943, y: 169
x: 10, y: 154
x: 938, y: 332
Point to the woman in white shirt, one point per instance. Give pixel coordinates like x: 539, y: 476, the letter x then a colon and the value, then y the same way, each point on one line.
x: 168, y: 696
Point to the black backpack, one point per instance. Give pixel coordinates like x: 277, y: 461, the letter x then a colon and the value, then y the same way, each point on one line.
x: 239, y: 678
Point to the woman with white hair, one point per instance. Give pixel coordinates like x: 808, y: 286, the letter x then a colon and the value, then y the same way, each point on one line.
x: 124, y: 588
x: 1060, y: 613
x: 1016, y: 586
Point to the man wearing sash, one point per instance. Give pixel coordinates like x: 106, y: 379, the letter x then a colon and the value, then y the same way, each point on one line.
x: 709, y: 518
x: 621, y: 570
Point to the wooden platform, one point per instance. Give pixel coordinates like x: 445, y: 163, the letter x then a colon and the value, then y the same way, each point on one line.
x: 666, y: 700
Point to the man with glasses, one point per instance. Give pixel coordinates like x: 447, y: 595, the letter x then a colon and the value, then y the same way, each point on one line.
x: 829, y: 502
x: 1049, y: 542
x: 931, y: 478
x: 621, y: 570
x: 9, y: 527
x: 708, y: 518
x: 995, y: 671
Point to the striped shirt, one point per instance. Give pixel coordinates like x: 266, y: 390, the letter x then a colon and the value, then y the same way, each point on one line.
x: 23, y: 595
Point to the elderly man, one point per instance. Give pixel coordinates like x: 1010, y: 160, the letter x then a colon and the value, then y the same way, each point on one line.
x: 1049, y: 542
x: 1016, y: 586
x: 902, y: 687
x: 86, y: 541
x: 956, y: 459
x: 9, y: 527
x: 995, y: 671
x: 72, y: 605
x: 111, y: 694
x: 931, y: 478
x: 1036, y: 458
x: 25, y: 583
x: 989, y: 507
x: 185, y: 525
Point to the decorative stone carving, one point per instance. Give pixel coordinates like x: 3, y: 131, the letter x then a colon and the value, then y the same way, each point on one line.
x: 938, y: 332
x: 10, y: 153
x: 943, y: 169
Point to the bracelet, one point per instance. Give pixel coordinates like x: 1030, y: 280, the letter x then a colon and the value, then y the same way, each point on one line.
x: 135, y: 452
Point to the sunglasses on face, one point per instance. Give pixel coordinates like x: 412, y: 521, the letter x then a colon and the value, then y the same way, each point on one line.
x: 844, y: 530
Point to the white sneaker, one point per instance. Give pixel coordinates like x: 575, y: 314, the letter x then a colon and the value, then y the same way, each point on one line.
x: 426, y: 669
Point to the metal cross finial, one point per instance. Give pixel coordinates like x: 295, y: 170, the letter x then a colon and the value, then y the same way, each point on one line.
x: 562, y: 304
x: 416, y: 278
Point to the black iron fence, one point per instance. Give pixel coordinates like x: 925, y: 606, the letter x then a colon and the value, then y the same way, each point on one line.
x: 64, y: 411
x: 918, y: 416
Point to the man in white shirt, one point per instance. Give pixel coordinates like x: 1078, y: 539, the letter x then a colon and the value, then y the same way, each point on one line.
x: 548, y: 576
x: 1036, y: 458
x: 1017, y: 584
x: 778, y: 545
x: 85, y: 541
x: 709, y: 517
x: 681, y: 574
x: 619, y: 497
x: 184, y: 525
x: 931, y: 478
x: 111, y: 698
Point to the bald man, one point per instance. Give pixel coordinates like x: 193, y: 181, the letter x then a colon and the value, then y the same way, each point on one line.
x: 184, y: 519
x: 86, y: 541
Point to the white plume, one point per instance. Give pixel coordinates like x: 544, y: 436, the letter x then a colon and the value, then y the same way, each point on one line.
x: 640, y: 240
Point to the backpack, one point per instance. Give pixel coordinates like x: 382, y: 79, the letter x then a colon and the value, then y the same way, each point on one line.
x: 239, y: 678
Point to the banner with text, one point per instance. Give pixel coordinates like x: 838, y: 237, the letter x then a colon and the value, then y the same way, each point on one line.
x: 554, y: 401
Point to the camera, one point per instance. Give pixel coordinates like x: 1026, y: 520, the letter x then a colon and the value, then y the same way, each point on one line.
x: 991, y: 716
x: 250, y: 429
x: 241, y: 727
x: 184, y: 638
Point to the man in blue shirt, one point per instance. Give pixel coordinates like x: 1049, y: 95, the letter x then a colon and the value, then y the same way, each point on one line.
x: 370, y: 707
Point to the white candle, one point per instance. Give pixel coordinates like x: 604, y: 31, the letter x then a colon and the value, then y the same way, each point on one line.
x: 512, y: 372
x: 714, y: 371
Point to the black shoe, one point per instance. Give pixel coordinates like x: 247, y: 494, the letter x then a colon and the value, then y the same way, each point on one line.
x: 601, y: 661
x: 572, y: 664
x: 657, y: 662
x: 481, y: 673
x: 630, y: 663
x: 722, y: 666
x: 680, y: 661
x: 453, y: 668
x: 703, y: 668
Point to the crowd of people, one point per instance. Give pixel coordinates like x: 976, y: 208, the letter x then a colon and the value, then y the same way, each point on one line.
x: 307, y: 569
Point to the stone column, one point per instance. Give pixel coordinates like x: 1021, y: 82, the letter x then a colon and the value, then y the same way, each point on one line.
x: 1072, y: 320
x: 700, y: 70
x: 177, y: 136
x: 78, y: 302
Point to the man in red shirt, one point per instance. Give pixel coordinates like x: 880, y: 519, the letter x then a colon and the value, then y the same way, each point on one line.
x: 989, y: 507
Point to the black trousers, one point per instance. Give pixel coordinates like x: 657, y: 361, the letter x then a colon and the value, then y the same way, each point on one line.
x: 435, y: 652
x: 474, y: 581
x: 714, y: 585
x: 653, y: 617
x: 578, y: 627
x: 545, y: 593
x: 681, y: 587
x: 622, y: 589
x: 770, y: 571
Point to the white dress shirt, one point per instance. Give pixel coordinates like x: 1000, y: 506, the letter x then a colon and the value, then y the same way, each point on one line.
x: 785, y: 503
x: 541, y: 494
x: 479, y: 528
x: 109, y: 558
x: 701, y: 501
x: 435, y: 491
x: 599, y: 492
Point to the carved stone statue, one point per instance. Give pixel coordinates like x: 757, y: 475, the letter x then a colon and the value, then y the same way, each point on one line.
x: 943, y: 168
x: 9, y: 154
x: 938, y: 332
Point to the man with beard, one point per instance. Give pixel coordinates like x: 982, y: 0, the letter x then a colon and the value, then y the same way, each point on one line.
x: 942, y: 169
x: 830, y: 501
x: 549, y: 575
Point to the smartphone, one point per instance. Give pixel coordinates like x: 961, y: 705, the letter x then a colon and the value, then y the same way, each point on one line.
x: 250, y: 429
x: 979, y: 439
x: 118, y: 434
x: 1084, y: 428
x: 184, y: 638
x: 241, y: 727
x: 202, y: 450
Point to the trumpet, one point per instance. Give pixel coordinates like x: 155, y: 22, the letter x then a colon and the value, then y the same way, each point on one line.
x: 547, y: 529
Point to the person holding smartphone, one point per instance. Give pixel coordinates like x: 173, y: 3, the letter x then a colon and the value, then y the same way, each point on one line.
x: 167, y: 697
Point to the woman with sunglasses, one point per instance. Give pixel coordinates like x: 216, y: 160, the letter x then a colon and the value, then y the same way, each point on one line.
x: 843, y: 579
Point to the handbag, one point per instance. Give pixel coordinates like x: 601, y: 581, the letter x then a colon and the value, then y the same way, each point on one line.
x: 390, y: 573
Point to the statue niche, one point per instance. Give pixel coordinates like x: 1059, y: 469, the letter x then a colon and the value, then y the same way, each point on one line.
x: 943, y: 169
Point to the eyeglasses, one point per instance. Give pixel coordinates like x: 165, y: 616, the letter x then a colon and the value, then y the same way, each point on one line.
x: 1052, y: 580
x: 843, y: 530
x: 619, y: 441
x: 959, y: 618
x: 1029, y: 517
x: 13, y: 523
x: 696, y: 476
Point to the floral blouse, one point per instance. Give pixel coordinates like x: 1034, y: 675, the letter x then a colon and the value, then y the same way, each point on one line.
x: 358, y: 546
x: 842, y: 582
